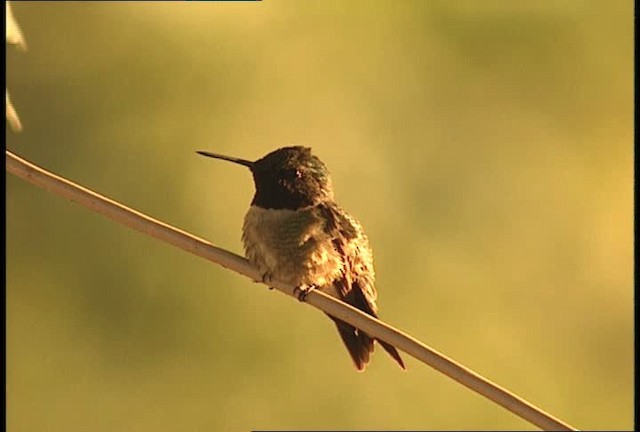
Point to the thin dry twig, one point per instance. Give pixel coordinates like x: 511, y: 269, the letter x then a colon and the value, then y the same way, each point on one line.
x: 12, y: 114
x: 13, y: 33
x: 328, y: 304
x: 14, y: 36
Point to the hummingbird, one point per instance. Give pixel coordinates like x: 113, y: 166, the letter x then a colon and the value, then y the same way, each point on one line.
x: 294, y: 232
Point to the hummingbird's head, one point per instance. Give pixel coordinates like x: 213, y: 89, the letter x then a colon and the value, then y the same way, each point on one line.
x: 287, y: 178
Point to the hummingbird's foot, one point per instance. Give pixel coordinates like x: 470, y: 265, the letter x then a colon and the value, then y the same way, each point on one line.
x: 266, y: 278
x: 303, y: 291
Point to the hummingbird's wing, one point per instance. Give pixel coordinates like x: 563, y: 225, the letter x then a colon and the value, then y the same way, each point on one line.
x: 356, y: 284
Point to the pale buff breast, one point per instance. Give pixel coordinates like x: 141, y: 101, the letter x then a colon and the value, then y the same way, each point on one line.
x: 291, y: 246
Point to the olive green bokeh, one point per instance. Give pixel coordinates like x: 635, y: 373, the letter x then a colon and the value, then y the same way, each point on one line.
x: 485, y: 146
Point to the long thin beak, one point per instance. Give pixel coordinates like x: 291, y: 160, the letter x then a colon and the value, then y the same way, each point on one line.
x: 227, y: 158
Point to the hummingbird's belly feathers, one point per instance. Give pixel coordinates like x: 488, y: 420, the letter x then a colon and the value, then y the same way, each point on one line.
x: 292, y: 247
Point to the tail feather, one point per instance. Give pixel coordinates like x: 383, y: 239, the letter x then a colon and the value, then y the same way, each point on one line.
x: 360, y: 345
x: 393, y: 352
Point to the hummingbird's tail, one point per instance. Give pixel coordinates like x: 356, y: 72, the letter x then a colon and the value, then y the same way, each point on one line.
x: 393, y: 352
x: 360, y: 345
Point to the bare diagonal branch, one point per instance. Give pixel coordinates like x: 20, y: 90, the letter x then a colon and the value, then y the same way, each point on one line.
x: 328, y: 304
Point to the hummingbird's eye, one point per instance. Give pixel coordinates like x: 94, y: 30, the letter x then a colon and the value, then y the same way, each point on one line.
x: 293, y: 174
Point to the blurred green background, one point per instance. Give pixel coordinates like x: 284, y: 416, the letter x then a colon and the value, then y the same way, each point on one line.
x: 486, y: 146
